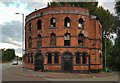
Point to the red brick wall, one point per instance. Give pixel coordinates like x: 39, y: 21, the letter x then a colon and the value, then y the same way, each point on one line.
x: 90, y: 31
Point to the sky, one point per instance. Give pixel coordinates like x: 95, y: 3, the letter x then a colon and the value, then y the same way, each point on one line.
x: 11, y: 23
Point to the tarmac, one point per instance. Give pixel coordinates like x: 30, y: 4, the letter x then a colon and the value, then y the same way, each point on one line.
x: 61, y: 75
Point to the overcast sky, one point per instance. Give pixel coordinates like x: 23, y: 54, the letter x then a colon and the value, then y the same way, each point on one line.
x: 10, y: 23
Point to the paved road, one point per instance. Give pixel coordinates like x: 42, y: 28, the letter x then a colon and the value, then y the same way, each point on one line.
x: 8, y: 65
x: 17, y: 73
x: 8, y: 74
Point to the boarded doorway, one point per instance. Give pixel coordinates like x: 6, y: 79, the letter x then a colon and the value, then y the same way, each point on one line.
x: 67, y: 62
x: 39, y: 62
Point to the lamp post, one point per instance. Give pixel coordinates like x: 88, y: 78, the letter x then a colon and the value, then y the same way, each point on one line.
x: 22, y: 35
x: 105, y: 47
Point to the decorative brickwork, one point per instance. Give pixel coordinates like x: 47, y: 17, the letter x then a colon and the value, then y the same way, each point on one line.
x: 64, y: 39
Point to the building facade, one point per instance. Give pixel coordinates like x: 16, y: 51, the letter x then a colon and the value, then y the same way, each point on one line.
x: 66, y: 39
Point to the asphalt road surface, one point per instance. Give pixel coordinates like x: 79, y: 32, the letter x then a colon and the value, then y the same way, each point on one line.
x: 9, y: 73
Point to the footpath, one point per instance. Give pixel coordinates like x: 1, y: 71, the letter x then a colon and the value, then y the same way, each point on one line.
x: 23, y: 71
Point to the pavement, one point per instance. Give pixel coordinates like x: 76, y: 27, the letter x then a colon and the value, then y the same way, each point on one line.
x: 27, y: 72
x: 19, y: 73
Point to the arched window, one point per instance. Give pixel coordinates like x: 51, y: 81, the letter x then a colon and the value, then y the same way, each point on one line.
x: 30, y: 26
x: 67, y: 22
x: 31, y: 58
x: 84, y: 58
x: 100, y: 58
x: 28, y: 58
x: 49, y: 58
x: 53, y: 40
x: 81, y: 23
x: 30, y: 42
x: 67, y: 39
x: 80, y: 39
x: 56, y: 58
x: 39, y: 24
x: 39, y: 43
x: 52, y: 22
x: 77, y: 58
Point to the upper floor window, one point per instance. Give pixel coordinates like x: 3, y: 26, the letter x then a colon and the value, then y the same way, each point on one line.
x: 52, y: 22
x: 81, y: 23
x: 99, y: 27
x: 67, y: 22
x: 30, y: 26
x: 80, y: 39
x: 53, y: 40
x: 39, y: 43
x: 67, y: 39
x: 30, y: 42
x: 39, y: 24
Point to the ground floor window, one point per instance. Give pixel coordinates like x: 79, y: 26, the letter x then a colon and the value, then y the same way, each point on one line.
x: 28, y: 59
x: 49, y: 58
x: 84, y: 56
x: 56, y: 58
x: 31, y: 58
x: 77, y: 58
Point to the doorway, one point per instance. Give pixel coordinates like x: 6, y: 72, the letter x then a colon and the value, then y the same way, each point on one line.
x: 67, y: 63
x: 39, y: 61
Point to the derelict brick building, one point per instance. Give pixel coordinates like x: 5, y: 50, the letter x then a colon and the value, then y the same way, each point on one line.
x: 63, y: 39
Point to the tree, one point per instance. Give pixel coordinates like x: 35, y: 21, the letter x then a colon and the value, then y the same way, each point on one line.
x: 117, y: 7
x: 115, y: 54
x: 8, y: 54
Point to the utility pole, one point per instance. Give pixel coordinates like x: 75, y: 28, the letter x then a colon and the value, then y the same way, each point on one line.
x: 105, y: 47
x: 22, y: 36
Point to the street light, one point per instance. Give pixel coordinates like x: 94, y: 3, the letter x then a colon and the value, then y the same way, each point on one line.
x: 22, y: 34
x: 105, y: 47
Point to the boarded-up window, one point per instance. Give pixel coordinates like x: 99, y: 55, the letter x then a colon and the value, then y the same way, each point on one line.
x: 67, y: 39
x: 84, y: 58
x: 49, y: 58
x: 53, y: 40
x: 77, y: 58
x: 28, y: 58
x: 81, y: 23
x: 31, y: 58
x: 67, y: 22
x: 30, y: 26
x: 52, y: 22
x: 30, y: 42
x: 100, y: 58
x: 80, y: 39
x: 39, y: 43
x: 39, y: 24
x: 56, y: 58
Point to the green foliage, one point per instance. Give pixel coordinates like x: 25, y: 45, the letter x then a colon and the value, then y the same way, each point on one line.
x: 109, y: 46
x: 117, y: 7
x: 106, y: 19
x: 8, y: 54
x: 114, y: 59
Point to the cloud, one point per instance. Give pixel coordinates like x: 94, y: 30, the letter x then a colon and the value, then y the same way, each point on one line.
x: 107, y: 5
x: 8, y: 45
x: 12, y: 31
x: 8, y: 10
x: 36, y: 5
x: 10, y: 23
